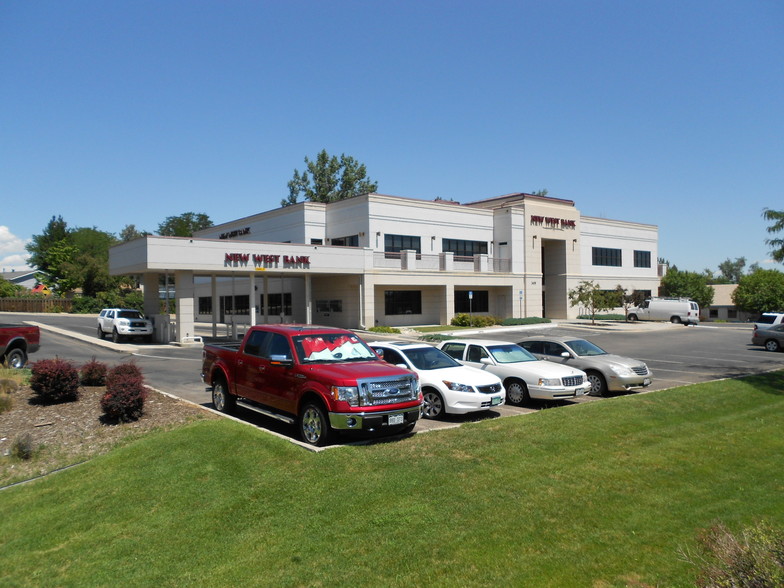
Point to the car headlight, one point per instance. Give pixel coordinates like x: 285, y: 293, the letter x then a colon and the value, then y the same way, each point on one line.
x: 348, y: 394
x: 549, y: 382
x: 621, y: 370
x: 458, y: 387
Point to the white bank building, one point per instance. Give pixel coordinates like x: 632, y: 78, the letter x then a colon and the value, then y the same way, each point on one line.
x: 385, y: 260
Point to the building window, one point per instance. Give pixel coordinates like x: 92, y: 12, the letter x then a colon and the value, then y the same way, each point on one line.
x: 316, y: 241
x: 329, y: 306
x: 402, y: 302
x: 714, y: 313
x: 642, y: 259
x: 463, y: 248
x: 279, y: 303
x: 205, y: 304
x: 732, y: 313
x: 479, y: 303
x: 350, y: 241
x: 235, y: 304
x: 398, y: 243
x: 606, y: 256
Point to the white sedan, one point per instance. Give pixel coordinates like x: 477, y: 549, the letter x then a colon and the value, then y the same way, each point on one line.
x: 447, y: 386
x: 523, y: 375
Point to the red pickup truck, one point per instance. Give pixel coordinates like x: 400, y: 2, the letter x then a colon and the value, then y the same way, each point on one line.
x: 323, y: 379
x: 16, y: 342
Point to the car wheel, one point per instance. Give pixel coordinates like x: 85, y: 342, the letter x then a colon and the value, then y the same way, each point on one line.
x: 221, y: 399
x: 770, y: 345
x: 632, y: 318
x: 517, y: 392
x: 313, y: 425
x: 433, y: 404
x: 101, y: 334
x: 675, y: 320
x: 115, y: 336
x: 16, y: 358
x: 598, y: 384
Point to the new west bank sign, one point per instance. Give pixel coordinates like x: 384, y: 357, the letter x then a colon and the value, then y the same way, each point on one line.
x: 263, y: 261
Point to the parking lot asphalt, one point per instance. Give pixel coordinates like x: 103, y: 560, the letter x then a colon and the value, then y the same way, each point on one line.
x: 677, y: 355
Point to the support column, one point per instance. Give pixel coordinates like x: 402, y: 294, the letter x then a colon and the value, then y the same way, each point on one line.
x: 215, y: 304
x: 152, y: 300
x: 185, y: 292
x: 252, y: 300
x: 367, y: 302
x: 308, y: 300
x: 447, y: 305
x: 266, y: 299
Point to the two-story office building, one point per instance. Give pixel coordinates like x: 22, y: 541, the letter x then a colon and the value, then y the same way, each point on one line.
x: 386, y: 260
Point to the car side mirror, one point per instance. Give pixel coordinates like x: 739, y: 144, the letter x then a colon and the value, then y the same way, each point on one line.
x: 566, y: 355
x: 486, y: 361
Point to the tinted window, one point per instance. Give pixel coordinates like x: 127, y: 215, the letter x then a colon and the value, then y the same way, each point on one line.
x: 454, y: 349
x: 256, y: 342
x: 430, y: 358
x: 476, y: 353
x: 532, y: 346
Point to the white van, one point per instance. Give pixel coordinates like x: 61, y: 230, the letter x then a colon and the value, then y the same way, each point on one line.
x: 675, y: 310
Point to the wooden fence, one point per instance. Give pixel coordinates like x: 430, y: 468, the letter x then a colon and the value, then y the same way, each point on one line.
x: 35, y: 305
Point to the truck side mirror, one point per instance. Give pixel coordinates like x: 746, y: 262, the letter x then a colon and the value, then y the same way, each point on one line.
x: 281, y: 360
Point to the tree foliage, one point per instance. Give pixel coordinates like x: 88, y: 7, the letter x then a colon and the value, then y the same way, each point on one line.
x: 595, y: 300
x: 730, y: 271
x: 329, y: 179
x: 129, y: 233
x: 760, y: 291
x: 184, y: 225
x: 776, y: 244
x: 687, y: 285
x: 9, y: 289
x: 54, y: 232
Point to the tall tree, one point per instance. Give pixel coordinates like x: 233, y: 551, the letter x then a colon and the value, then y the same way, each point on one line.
x: 777, y: 244
x: 129, y: 233
x: 184, y: 225
x: 330, y: 179
x: 688, y: 285
x: 56, y: 231
x: 731, y: 271
x: 760, y: 291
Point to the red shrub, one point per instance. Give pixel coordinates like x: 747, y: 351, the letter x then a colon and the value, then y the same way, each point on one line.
x: 93, y: 373
x: 125, y: 393
x: 54, y: 380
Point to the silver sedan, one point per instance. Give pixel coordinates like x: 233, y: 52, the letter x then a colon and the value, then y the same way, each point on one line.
x: 606, y: 372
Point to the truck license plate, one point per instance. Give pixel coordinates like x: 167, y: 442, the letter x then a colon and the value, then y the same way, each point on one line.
x: 396, y: 419
x: 495, y: 400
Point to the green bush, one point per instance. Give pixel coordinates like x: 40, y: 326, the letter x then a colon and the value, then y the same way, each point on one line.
x: 23, y: 447
x: 530, y: 320
x: 384, y: 329
x: 603, y: 317
x: 125, y: 393
x: 754, y: 559
x: 54, y: 380
x: 466, y: 320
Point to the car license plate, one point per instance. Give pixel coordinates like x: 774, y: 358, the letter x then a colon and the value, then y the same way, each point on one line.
x: 646, y: 382
x: 495, y: 400
x: 396, y: 419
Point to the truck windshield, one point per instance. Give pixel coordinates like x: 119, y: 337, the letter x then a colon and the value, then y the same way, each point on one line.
x: 332, y: 347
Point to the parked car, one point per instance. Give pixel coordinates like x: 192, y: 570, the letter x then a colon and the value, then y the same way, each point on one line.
x: 448, y: 387
x: 523, y: 376
x: 769, y: 319
x: 16, y: 341
x: 605, y: 371
x: 124, y: 322
x: 675, y: 310
x: 771, y: 338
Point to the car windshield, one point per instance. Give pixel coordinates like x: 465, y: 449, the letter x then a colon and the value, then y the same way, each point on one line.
x: 130, y: 314
x: 331, y: 347
x: 509, y: 353
x: 429, y: 358
x: 585, y: 348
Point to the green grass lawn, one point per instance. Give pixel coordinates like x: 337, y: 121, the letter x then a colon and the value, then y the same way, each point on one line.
x: 601, y: 494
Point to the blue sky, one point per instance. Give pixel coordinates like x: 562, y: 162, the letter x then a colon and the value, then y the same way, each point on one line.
x: 127, y: 112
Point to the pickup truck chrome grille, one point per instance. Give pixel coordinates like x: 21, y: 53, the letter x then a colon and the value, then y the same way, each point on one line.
x: 640, y: 370
x: 375, y: 392
x: 489, y: 389
x: 572, y: 381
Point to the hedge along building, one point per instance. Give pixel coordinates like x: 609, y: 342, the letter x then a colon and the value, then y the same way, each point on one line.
x: 386, y: 260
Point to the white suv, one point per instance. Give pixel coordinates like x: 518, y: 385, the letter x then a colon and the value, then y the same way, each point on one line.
x: 124, y: 322
x: 447, y: 386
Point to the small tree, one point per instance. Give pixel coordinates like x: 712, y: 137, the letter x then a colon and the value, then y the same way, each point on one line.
x: 777, y: 244
x: 687, y: 285
x: 626, y: 300
x: 589, y: 295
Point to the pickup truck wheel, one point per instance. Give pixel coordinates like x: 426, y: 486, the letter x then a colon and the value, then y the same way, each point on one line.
x: 313, y: 425
x: 598, y: 384
x: 16, y: 358
x: 101, y: 334
x: 221, y: 399
x: 517, y: 392
x: 433, y: 405
x: 115, y: 336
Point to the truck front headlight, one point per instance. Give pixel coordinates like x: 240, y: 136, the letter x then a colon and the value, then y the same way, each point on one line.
x: 348, y: 394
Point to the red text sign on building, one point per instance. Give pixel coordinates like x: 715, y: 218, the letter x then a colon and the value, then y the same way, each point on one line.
x: 553, y: 222
x: 264, y: 260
